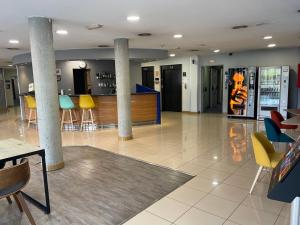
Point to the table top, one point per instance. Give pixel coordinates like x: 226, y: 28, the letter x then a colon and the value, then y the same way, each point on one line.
x: 295, y: 112
x: 292, y: 121
x: 13, y: 147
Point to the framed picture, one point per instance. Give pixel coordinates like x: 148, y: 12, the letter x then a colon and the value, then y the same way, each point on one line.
x: 58, y: 77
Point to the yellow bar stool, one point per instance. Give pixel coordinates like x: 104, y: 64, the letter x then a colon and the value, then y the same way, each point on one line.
x: 31, y: 104
x: 86, y: 103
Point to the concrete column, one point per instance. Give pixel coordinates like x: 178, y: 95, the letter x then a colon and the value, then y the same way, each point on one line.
x: 46, y: 92
x: 123, y: 89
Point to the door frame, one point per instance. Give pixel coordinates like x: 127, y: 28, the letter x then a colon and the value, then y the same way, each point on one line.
x: 173, y: 66
x: 201, y: 108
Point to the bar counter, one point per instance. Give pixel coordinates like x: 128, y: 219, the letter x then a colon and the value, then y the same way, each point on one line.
x: 144, y: 108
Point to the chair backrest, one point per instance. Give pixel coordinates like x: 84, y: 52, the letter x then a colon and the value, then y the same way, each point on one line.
x: 277, y: 118
x: 262, y: 148
x: 66, y: 102
x: 30, y: 101
x: 86, y: 102
x: 14, y: 178
x: 272, y: 130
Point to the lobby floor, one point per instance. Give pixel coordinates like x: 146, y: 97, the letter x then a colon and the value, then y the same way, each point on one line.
x: 215, y: 149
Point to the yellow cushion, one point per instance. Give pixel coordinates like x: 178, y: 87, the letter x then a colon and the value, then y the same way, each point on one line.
x: 30, y: 101
x: 275, y: 158
x: 86, y: 102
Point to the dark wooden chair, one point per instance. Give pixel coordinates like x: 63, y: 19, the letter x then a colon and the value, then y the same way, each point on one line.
x: 12, y: 180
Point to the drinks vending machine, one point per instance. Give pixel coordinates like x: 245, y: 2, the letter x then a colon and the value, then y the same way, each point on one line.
x: 242, y: 88
x: 273, y: 85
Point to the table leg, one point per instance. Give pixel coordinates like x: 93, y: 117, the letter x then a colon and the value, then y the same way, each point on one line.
x: 295, y: 212
x: 45, y: 178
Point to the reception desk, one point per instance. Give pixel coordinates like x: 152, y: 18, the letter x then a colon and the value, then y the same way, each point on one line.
x: 145, y: 108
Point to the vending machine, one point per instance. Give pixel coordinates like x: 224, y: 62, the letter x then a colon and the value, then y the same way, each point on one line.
x: 273, y: 86
x: 242, y: 88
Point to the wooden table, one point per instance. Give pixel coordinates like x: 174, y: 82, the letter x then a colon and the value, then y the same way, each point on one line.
x: 292, y: 121
x: 12, y: 150
x: 295, y: 112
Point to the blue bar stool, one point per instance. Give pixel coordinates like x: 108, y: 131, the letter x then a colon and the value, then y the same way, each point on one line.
x: 67, y: 106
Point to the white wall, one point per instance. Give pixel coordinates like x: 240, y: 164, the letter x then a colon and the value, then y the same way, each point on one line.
x: 268, y: 57
x: 190, y: 94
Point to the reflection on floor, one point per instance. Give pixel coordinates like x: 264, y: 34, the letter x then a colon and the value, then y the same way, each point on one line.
x: 210, y: 146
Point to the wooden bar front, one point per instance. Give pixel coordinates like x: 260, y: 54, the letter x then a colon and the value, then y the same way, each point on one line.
x: 143, y: 108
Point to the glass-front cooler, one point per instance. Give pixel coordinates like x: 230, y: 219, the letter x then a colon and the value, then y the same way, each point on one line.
x: 269, y: 91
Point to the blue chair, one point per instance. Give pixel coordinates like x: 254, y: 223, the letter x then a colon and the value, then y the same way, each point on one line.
x: 67, y: 105
x: 274, y: 133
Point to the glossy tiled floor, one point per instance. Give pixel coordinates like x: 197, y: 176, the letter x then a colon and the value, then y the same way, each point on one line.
x: 217, y: 150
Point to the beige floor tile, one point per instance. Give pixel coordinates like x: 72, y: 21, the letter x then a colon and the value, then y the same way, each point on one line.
x: 239, y: 181
x: 168, y: 209
x: 214, y: 174
x: 217, y: 206
x: 187, y: 195
x: 146, y: 218
x: 197, y: 217
x: 230, y: 193
x: 263, y: 203
x: 202, y: 184
x: 223, y: 166
x: 282, y: 220
x: 249, y: 216
x: 286, y: 210
x: 228, y: 222
x: 192, y: 169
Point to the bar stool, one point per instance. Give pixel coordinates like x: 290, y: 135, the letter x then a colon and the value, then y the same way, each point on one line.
x: 86, y: 103
x: 67, y: 106
x: 31, y: 104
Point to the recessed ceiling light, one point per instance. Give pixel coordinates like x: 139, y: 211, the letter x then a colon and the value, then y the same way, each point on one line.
x: 177, y: 36
x: 215, y: 157
x: 213, y: 61
x: 94, y: 26
x: 133, y: 18
x: 268, y: 37
x: 172, y: 55
x: 271, y: 45
x: 62, y: 32
x: 215, y: 183
x: 10, y: 65
x: 13, y: 41
x: 216, y: 50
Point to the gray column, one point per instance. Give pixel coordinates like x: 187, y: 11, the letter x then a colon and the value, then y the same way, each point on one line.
x: 123, y: 88
x: 46, y: 92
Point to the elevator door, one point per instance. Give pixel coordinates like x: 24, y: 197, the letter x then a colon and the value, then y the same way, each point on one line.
x: 148, y: 76
x: 171, y: 88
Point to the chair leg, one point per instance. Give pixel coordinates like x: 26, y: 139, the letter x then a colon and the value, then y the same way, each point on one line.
x: 9, y: 200
x: 256, y: 178
x: 62, y: 120
x: 29, y: 118
x: 18, y: 203
x: 82, y: 119
x: 92, y: 116
x: 71, y: 118
x: 25, y: 208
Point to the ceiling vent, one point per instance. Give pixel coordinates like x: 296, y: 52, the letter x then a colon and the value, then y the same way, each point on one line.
x: 260, y: 24
x: 239, y: 27
x: 103, y: 46
x: 145, y: 34
x: 195, y: 50
x: 13, y: 49
x: 94, y: 26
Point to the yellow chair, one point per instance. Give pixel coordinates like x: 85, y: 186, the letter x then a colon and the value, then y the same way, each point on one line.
x: 265, y: 154
x: 86, y: 103
x: 31, y: 105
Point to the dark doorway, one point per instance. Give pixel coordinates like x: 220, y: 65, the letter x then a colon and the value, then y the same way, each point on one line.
x: 171, y: 85
x: 212, y: 89
x: 82, y: 81
x: 15, y: 95
x: 148, y: 76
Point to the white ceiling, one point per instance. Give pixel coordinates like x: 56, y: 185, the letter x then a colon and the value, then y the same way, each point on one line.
x: 201, y: 22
